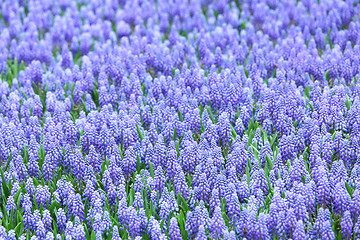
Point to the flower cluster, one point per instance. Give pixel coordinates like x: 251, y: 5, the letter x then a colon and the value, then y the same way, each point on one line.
x: 179, y: 119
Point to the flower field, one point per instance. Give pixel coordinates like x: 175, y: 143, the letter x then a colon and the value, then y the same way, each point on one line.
x: 179, y: 119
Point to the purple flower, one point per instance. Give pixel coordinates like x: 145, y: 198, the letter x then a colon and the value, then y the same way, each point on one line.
x: 42, y: 195
x: 21, y: 170
x: 355, y: 205
x: 341, y: 198
x: 79, y: 233
x: 154, y: 228
x: 290, y: 222
x: 11, y: 235
x: 69, y: 231
x: 11, y: 206
x: 27, y: 219
x: 357, y: 228
x: 40, y: 230
x: 47, y: 219
x: 76, y: 206
x: 299, y: 233
x: 134, y: 222
x: 174, y: 230
x: 48, y: 169
x: 61, y: 220
x: 201, y: 235
x: 115, y: 233
x: 159, y: 179
x: 129, y: 162
x: 49, y: 236
x: 346, y: 225
x: 33, y: 165
x: 327, y: 232
x: 138, y: 201
x: 300, y: 208
x: 224, y: 129
x: 98, y: 225
x: 180, y: 183
x: 217, y: 226
x: 203, y: 189
x: 323, y: 190
x: 263, y: 228
x: 122, y: 213
x: 171, y: 164
x: 233, y: 207
x: 122, y: 29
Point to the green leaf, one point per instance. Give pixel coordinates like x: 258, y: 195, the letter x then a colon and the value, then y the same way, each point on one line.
x: 139, y: 132
x: 349, y: 189
x: 7, y: 163
x: 245, y: 70
x: 348, y: 102
x: 274, y: 73
x: 333, y: 136
x: 269, y: 162
x: 288, y: 164
x: 12, y: 217
x: 311, y: 106
x: 174, y: 136
x: 151, y: 170
x: 19, y: 229
x: 264, y: 135
x: 223, y: 205
x: 248, y: 173
x: 53, y: 205
x: 256, y: 151
x: 201, y: 108
x: 180, y: 116
x: 131, y: 196
x: 14, y: 67
x: 266, y: 169
x: 233, y: 131
x: 93, y: 235
x: 273, y: 139
x: 211, y: 115
x: 162, y: 223
x: 145, y: 197
x: 226, y: 219
x: 243, y: 24
x: 184, y: 203
x: 327, y: 75
x: 181, y: 220
x: 305, y: 155
x: 19, y: 216
x: 4, y: 184
x: 22, y: 66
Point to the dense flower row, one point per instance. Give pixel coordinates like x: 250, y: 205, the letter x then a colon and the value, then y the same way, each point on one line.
x: 179, y: 119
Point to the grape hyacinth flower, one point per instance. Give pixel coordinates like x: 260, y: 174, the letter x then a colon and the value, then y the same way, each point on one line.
x: 217, y: 224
